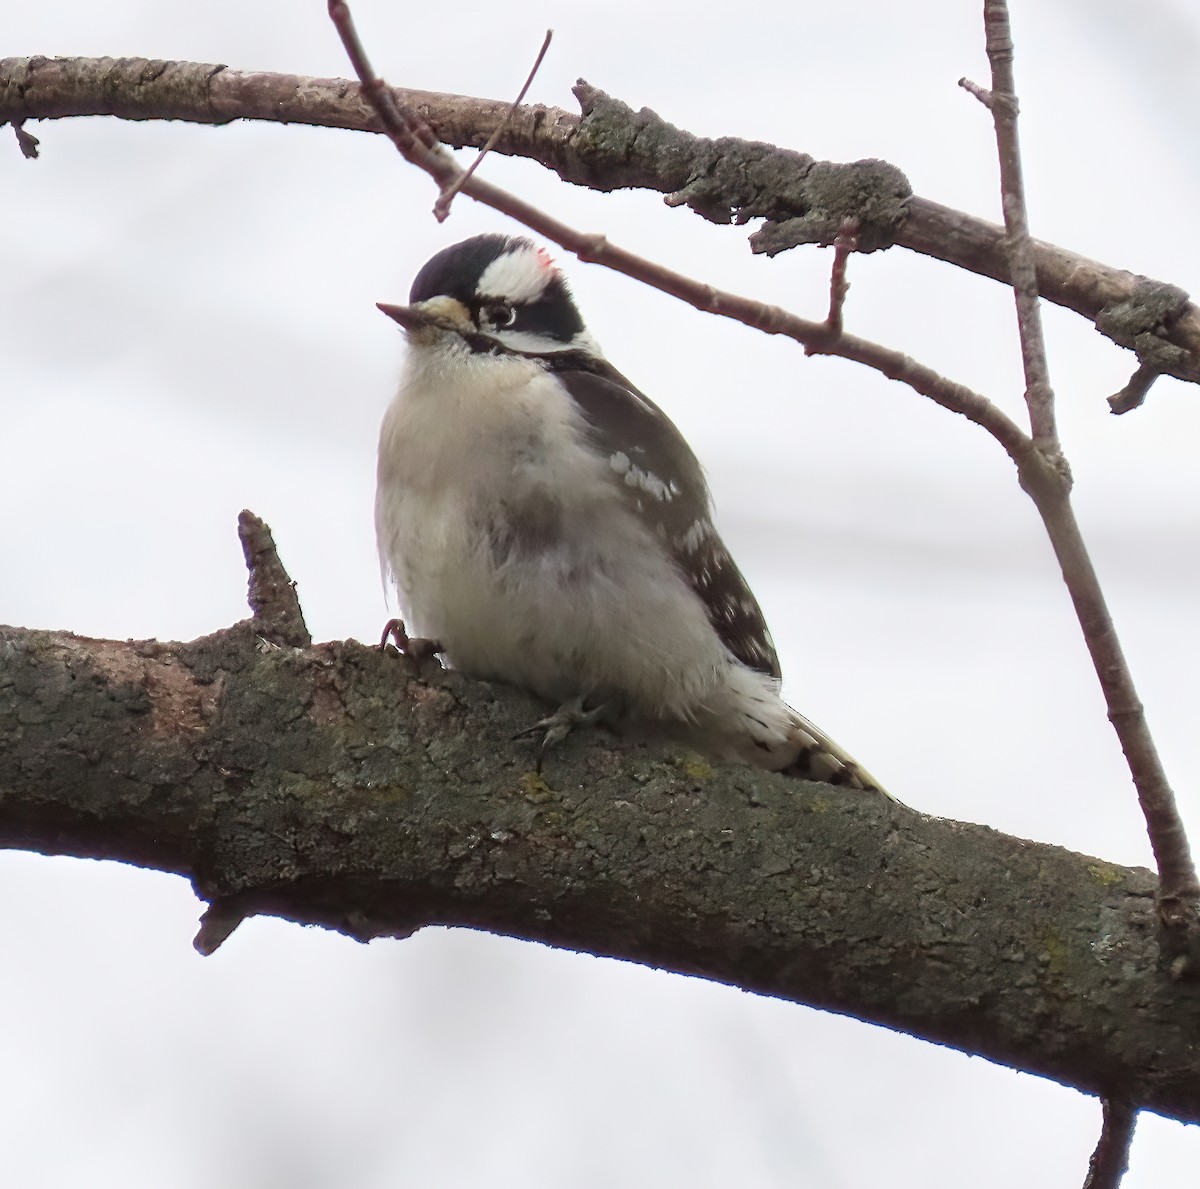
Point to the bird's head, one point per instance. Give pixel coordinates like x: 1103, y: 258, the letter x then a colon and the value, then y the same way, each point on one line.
x: 494, y: 289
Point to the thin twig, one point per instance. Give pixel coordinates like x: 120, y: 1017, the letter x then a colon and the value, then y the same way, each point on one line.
x: 1179, y: 888
x: 1046, y: 478
x: 1039, y: 396
x: 441, y: 208
x: 1110, y: 1160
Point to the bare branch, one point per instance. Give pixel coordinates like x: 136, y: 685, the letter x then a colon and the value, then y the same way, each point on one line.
x: 613, y: 147
x: 1110, y: 1160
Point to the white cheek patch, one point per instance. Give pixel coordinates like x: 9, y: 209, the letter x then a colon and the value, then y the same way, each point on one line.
x: 520, y: 277
x: 539, y: 344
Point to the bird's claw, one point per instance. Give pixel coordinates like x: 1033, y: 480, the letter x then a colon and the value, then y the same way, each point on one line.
x: 557, y: 726
x: 416, y: 647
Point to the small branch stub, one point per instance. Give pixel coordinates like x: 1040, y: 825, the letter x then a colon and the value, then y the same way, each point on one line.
x: 1133, y: 395
x: 220, y: 919
x: 278, y: 618
x: 1110, y: 1160
x: 981, y: 93
x: 26, y: 141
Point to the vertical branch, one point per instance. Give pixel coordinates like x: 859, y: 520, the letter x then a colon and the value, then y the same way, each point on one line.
x: 1039, y: 396
x: 1046, y: 477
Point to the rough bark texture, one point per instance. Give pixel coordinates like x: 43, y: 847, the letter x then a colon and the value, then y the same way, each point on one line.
x: 343, y: 787
x: 611, y: 146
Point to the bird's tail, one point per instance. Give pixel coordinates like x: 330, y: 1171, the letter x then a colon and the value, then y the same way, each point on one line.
x: 819, y: 758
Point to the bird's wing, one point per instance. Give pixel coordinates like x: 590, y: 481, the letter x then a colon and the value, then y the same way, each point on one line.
x: 661, y: 480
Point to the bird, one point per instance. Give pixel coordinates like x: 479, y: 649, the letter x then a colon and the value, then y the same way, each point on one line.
x: 548, y: 525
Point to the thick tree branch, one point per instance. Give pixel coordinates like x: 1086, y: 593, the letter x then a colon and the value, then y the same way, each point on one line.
x: 613, y: 147
x: 340, y: 786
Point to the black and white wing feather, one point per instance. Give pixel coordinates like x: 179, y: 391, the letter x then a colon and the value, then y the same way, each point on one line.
x: 662, y: 481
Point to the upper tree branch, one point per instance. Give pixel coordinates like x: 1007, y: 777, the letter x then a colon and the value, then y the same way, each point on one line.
x: 610, y: 147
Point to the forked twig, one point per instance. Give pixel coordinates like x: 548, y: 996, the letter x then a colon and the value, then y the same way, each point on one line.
x: 441, y: 208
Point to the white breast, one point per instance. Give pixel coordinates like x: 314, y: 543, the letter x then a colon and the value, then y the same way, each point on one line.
x: 509, y: 543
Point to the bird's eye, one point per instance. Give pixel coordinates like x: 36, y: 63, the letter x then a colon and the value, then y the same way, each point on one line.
x: 499, y: 314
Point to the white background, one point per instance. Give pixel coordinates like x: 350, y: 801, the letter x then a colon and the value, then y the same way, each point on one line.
x: 187, y: 328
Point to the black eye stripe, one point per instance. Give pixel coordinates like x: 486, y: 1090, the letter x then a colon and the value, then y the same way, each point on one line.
x: 553, y: 316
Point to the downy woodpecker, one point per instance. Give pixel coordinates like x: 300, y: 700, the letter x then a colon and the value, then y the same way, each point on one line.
x: 548, y: 525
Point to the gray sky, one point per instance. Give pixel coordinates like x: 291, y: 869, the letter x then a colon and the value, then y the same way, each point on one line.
x: 188, y: 329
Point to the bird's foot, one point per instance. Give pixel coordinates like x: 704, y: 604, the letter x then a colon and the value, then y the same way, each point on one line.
x: 557, y: 726
x: 416, y: 647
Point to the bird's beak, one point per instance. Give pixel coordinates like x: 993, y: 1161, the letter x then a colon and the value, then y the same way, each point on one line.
x: 409, y: 317
x: 426, y: 320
